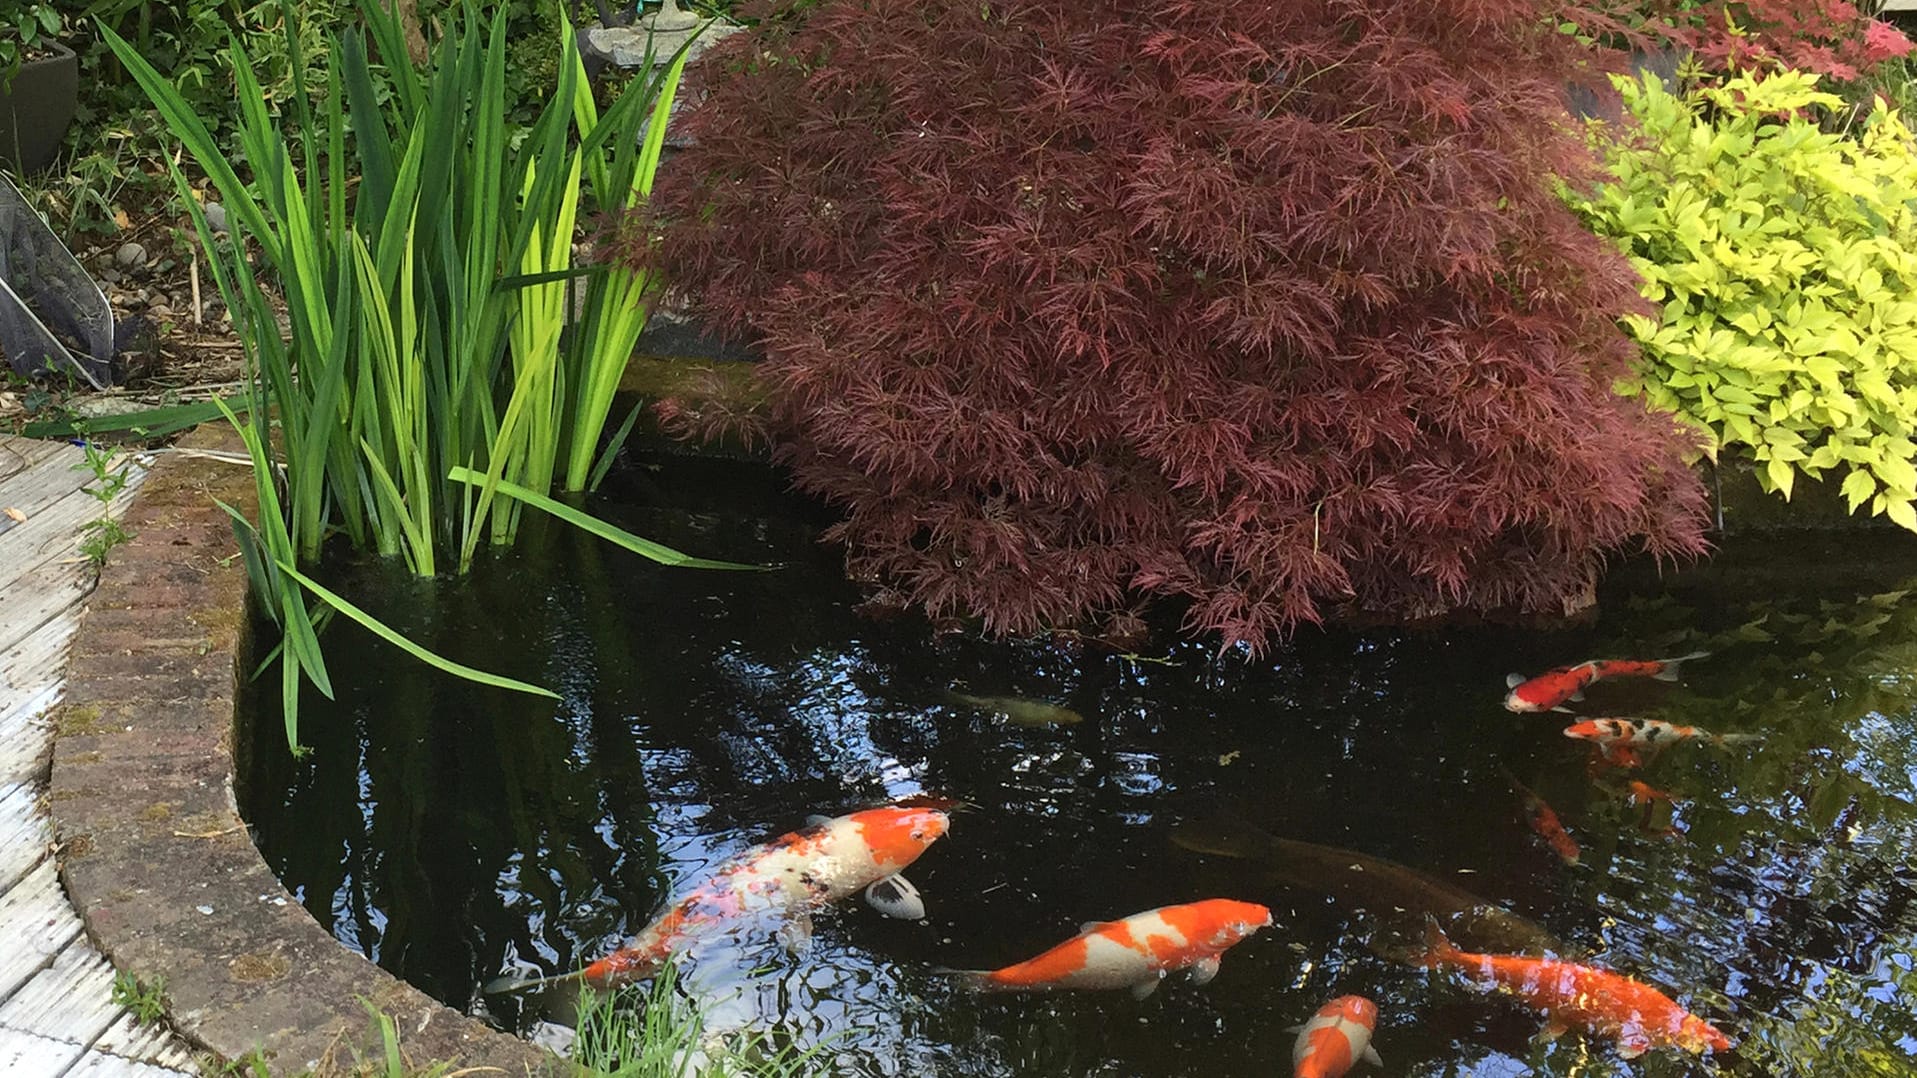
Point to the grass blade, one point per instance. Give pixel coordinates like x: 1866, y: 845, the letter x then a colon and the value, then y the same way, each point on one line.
x: 380, y: 629
x: 612, y: 533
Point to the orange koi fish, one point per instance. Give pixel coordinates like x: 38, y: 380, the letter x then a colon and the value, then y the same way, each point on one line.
x: 1622, y: 738
x: 1574, y: 996
x: 1136, y: 952
x: 1549, y: 690
x: 1546, y: 823
x: 1335, y: 1039
x: 793, y: 874
x: 1645, y: 794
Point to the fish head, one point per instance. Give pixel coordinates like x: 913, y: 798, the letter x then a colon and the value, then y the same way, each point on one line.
x: 1694, y: 1034
x: 1232, y: 920
x: 897, y: 835
x: 1356, y: 1009
x: 1517, y: 703
x: 1587, y: 730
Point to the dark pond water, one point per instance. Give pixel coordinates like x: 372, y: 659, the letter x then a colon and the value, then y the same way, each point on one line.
x: 451, y: 833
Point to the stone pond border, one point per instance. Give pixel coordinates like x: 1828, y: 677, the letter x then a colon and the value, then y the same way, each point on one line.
x: 152, y: 849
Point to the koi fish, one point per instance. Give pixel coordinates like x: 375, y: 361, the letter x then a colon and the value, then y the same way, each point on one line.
x: 1335, y: 1039
x: 1136, y: 952
x: 1549, y: 690
x: 1622, y: 738
x: 1643, y: 793
x: 1018, y: 710
x: 1647, y: 796
x: 1546, y: 823
x: 1571, y: 995
x: 1389, y: 890
x: 828, y: 860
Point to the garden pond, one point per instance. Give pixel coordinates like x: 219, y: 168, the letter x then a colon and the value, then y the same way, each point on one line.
x: 453, y: 833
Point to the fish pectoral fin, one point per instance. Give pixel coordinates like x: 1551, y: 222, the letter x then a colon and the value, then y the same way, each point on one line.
x: 1091, y: 926
x: 1299, y: 1028
x: 1203, y: 970
x: 1512, y: 681
x: 1566, y: 710
x: 1577, y: 695
x: 1146, y: 987
x: 1552, y: 1030
x: 894, y: 896
x: 795, y: 935
x: 1370, y: 1055
x: 1631, y: 1046
x: 817, y: 819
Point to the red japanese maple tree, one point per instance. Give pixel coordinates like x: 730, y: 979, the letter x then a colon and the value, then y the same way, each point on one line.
x: 1267, y: 306
x: 1830, y: 37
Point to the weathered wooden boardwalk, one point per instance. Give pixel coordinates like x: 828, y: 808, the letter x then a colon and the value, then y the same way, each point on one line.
x: 57, y: 1017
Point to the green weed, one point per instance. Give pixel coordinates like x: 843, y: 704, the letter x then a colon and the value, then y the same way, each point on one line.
x: 145, y: 999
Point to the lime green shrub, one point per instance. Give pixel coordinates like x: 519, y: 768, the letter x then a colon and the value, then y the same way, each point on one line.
x: 1781, y: 259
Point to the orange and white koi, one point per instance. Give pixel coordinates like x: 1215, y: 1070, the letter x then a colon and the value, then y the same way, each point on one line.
x: 1546, y: 823
x: 1335, y: 1039
x: 1548, y: 691
x: 1136, y: 952
x: 791, y: 875
x: 1618, y: 737
x: 1584, y: 997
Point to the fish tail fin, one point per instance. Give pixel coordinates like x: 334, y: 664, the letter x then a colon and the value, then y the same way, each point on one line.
x: 1738, y: 739
x: 1672, y: 667
x: 978, y: 980
x: 1437, y: 946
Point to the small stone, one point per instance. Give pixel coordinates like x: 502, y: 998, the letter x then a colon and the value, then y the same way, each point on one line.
x: 206, y: 910
x: 130, y: 255
x: 111, y: 276
x: 159, y: 312
x: 215, y: 216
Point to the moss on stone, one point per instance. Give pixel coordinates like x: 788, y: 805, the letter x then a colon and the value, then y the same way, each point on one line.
x: 257, y: 966
x: 76, y: 720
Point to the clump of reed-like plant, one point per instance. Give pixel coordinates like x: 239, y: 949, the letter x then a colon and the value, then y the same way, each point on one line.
x: 419, y: 250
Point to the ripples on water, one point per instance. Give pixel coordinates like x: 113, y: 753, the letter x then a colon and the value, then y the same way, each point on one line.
x: 447, y: 831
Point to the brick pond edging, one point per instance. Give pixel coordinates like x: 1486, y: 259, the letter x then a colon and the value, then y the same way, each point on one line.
x: 154, y: 854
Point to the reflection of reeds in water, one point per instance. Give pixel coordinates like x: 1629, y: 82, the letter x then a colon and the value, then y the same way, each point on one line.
x: 658, y: 1031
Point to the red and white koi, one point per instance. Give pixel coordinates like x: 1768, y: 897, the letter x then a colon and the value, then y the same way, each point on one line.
x: 1545, y: 823
x: 791, y: 875
x: 1136, y: 952
x: 1548, y: 691
x: 1622, y: 739
x: 1335, y: 1039
x: 1574, y: 996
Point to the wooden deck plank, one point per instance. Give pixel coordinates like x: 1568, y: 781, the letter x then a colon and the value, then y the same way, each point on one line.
x: 35, y: 925
x: 23, y: 833
x: 52, y: 536
x: 33, y: 601
x: 25, y: 739
x: 71, y: 999
x: 33, y: 662
x: 56, y: 1011
x: 96, y: 1064
x: 50, y: 479
x: 21, y: 458
x: 30, y: 1055
x: 145, y: 1044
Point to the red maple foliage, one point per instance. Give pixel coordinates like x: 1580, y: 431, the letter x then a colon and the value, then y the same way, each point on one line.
x: 1267, y: 306
x: 1830, y: 37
